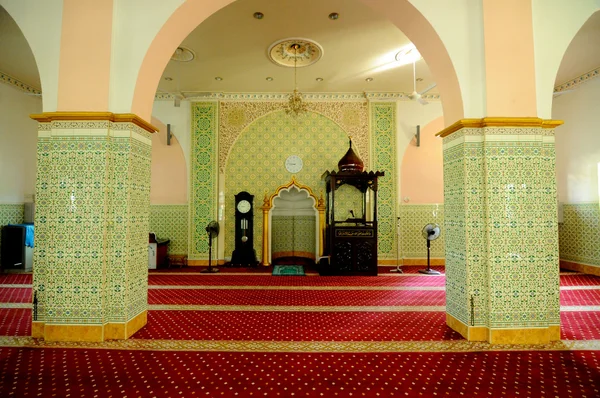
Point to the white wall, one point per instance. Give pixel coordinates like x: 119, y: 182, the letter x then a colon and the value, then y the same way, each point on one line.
x: 410, y: 114
x: 18, y: 141
x: 578, y: 143
x: 180, y: 119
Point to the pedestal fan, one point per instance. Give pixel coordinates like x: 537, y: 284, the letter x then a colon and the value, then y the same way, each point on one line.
x: 430, y: 232
x: 212, y: 230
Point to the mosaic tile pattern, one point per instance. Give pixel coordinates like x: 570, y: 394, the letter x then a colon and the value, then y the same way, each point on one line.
x: 236, y: 116
x: 204, y: 176
x: 457, y: 234
x: 92, y: 214
x: 10, y: 214
x: 171, y: 222
x: 129, y: 223
x: 295, y: 233
x: 257, y: 161
x: 383, y: 138
x: 580, y: 232
x: 412, y: 220
x: 501, y: 227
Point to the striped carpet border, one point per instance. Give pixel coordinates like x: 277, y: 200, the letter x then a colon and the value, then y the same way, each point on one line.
x: 283, y: 308
x: 302, y: 346
x: 267, y: 287
x: 234, y: 287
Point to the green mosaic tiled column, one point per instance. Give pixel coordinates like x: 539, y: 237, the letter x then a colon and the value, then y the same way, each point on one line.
x: 92, y: 220
x: 204, y: 177
x: 383, y: 144
x: 501, y: 234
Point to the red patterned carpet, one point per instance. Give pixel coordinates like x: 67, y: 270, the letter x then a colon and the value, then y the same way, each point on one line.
x: 296, y: 297
x: 262, y: 280
x: 8, y: 279
x: 241, y: 310
x: 297, y: 326
x: 118, y: 373
x: 15, y: 295
x: 580, y: 297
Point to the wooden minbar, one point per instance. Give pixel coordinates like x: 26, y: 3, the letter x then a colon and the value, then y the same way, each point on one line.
x: 350, y: 234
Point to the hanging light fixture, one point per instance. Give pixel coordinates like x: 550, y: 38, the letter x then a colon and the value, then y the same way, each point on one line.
x: 296, y: 104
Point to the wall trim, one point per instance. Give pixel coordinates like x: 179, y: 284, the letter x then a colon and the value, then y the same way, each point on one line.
x: 499, y: 122
x: 11, y: 81
x: 91, y: 332
x: 47, y: 117
x: 364, y: 96
x: 578, y: 81
x: 580, y: 267
x: 536, y: 335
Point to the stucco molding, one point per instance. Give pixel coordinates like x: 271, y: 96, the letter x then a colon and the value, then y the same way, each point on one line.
x: 578, y: 81
x: 365, y: 96
x: 499, y: 122
x: 11, y: 81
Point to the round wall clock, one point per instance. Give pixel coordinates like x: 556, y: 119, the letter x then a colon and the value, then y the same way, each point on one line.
x: 243, y: 206
x: 294, y: 164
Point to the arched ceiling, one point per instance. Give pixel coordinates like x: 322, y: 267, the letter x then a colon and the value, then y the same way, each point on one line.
x: 233, y: 45
x: 16, y: 58
x: 583, y: 54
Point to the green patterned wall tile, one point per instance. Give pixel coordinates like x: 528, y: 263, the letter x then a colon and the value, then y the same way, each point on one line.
x: 11, y: 214
x: 412, y: 220
x: 464, y: 244
x: 383, y: 144
x: 501, y: 230
x: 579, y: 233
x: 204, y: 176
x: 256, y: 162
x: 171, y: 222
x: 294, y: 233
x: 71, y: 222
x: 92, y: 205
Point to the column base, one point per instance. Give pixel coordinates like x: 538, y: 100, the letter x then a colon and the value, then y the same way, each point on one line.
x: 97, y: 333
x: 505, y: 336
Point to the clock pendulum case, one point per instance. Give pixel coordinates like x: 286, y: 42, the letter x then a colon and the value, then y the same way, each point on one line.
x: 244, y: 253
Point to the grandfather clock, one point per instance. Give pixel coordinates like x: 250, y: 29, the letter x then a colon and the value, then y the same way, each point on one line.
x: 244, y: 253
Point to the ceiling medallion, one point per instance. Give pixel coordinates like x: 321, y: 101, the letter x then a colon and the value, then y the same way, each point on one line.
x: 295, y: 52
x: 183, y: 54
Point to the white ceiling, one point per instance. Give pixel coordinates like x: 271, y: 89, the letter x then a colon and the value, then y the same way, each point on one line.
x: 583, y: 54
x: 16, y: 58
x: 233, y: 45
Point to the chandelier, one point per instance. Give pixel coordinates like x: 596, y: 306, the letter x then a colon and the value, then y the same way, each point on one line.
x: 296, y: 104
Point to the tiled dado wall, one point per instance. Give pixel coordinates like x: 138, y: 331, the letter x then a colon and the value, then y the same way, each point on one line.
x: 92, y: 220
x: 579, y: 234
x: 10, y: 214
x: 412, y: 220
x: 171, y: 222
x: 294, y: 233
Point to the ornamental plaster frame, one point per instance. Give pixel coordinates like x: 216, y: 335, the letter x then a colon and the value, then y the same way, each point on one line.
x: 235, y: 117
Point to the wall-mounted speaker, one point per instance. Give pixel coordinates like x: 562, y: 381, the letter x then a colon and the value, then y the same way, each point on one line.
x: 418, y: 135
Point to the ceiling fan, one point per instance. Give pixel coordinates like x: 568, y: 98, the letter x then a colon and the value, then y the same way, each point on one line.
x: 418, y: 96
